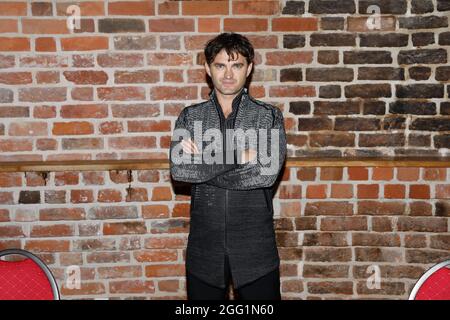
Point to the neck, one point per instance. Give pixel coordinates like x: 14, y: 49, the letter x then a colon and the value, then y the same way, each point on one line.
x: 226, y: 101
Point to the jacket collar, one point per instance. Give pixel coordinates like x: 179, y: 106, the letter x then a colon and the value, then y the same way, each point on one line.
x: 236, y: 101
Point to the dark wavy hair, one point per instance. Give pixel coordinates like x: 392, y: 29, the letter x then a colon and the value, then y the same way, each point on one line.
x: 232, y: 43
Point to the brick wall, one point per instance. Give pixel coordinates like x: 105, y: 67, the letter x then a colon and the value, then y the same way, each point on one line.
x: 113, y: 89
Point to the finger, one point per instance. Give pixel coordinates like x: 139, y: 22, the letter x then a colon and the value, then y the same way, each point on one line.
x: 185, y: 147
x: 195, y: 148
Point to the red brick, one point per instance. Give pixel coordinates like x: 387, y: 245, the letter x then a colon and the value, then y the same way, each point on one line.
x: 292, y: 91
x: 290, y: 209
x: 443, y: 191
x: 339, y: 208
x: 11, y: 231
x: 139, y: 76
x: 86, y: 77
x: 11, y: 145
x: 290, y: 192
x: 173, y: 93
x: 88, y: 8
x: 419, y: 191
x: 6, y: 198
x: 28, y: 129
x: 432, y: 174
x: 172, y: 25
x: 245, y: 24
x: 9, y: 8
x: 368, y: 191
x: 14, y: 44
x: 119, y: 272
x: 111, y: 127
x: 169, y: 8
x: 173, y: 76
x: 306, y: 174
x: 82, y: 94
x: 135, y: 227
x: 202, y: 7
x: 422, y: 224
x: 55, y: 214
x: 316, y: 191
x: 86, y: 288
x: 47, y: 245
x: 320, y: 271
x: 420, y: 208
x: 13, y: 78
x: 132, y: 8
x: 45, y: 44
x: 8, y: 25
x: 295, y: 24
x: 136, y: 194
x: 161, y: 270
x: 46, y: 144
x: 44, y: 26
x: 156, y: 255
x: 266, y: 8
x: 341, y: 191
x: 208, y: 25
x: 10, y: 179
x: 155, y: 211
x: 55, y: 230
x: 292, y: 286
x: 368, y: 207
x: 408, y: 174
x: 168, y: 285
x: 394, y: 191
x: 72, y: 128
x: 381, y: 173
x: 123, y: 143
x: 84, y: 111
x: 121, y: 93
x: 63, y: 178
x: 165, y: 243
x: 357, y: 173
x: 359, y: 24
x: 280, y: 58
x: 343, y: 223
x: 49, y: 77
x: 85, y: 43
x: 132, y: 286
x: 52, y: 94
x: 327, y: 254
x: 81, y: 196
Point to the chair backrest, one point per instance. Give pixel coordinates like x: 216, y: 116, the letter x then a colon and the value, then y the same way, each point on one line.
x: 433, y: 284
x: 28, y: 279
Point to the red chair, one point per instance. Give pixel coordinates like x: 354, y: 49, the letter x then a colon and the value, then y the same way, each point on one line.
x: 433, y: 284
x: 27, y: 279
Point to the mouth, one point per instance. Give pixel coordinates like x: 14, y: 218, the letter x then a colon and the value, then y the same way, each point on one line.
x: 227, y: 83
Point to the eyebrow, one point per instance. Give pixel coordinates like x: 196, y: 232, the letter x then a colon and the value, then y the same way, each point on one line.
x: 222, y: 64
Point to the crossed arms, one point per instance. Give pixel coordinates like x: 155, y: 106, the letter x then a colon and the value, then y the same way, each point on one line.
x: 237, y: 176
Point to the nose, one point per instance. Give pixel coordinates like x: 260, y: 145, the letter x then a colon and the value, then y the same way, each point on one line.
x: 228, y: 74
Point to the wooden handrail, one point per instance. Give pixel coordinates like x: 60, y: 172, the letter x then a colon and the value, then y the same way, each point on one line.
x: 152, y: 164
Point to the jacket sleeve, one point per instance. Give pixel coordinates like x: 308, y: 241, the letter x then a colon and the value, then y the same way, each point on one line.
x: 192, y: 169
x: 252, y: 175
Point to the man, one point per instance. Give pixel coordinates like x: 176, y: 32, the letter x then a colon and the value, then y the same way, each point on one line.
x: 231, y: 228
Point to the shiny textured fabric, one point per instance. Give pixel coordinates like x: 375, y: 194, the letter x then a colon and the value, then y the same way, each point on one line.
x: 231, y: 203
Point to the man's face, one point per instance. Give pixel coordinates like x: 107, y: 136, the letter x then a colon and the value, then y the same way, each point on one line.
x: 228, y: 77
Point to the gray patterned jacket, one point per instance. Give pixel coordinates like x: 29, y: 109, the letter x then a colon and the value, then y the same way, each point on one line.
x: 231, y: 203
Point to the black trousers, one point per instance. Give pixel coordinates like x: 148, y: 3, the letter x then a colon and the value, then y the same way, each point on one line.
x: 265, y: 288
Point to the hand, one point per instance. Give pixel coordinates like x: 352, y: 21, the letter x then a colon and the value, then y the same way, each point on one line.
x: 248, y: 155
x: 189, y: 146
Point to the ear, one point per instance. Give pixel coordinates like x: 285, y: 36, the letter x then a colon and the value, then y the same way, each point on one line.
x: 208, y: 70
x: 249, y: 68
